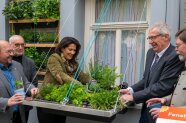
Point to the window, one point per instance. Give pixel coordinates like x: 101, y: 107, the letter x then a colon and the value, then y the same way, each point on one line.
x: 119, y: 28
x: 105, y: 48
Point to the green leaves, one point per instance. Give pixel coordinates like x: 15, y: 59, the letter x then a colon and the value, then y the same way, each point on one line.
x: 18, y: 10
x: 104, y: 94
x: 35, y: 9
x: 18, y: 84
x: 35, y: 36
x: 39, y: 58
x: 103, y: 100
x: 46, y: 9
x: 104, y: 75
x: 58, y: 93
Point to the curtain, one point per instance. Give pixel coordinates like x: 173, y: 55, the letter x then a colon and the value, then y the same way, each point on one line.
x: 122, y: 10
x: 105, y: 48
x: 132, y: 56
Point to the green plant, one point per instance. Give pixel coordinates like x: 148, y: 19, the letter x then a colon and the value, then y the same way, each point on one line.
x: 46, y: 36
x: 39, y: 58
x: 18, y: 10
x: 35, y: 36
x: 104, y: 75
x: 46, y: 9
x: 55, y: 93
x: 35, y: 9
x: 103, y: 100
x: 18, y: 84
x: 27, y: 35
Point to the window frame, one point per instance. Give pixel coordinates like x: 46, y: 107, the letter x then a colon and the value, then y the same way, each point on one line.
x: 91, y: 26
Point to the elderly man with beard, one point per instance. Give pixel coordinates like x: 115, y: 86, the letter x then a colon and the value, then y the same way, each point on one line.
x: 180, y: 89
x: 18, y: 45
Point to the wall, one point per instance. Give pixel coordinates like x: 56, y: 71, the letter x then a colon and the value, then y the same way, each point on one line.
x: 167, y: 11
x: 183, y: 14
x: 3, y: 24
x: 72, y: 14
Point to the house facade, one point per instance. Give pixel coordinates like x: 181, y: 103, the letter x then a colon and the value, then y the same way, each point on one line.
x: 114, y: 32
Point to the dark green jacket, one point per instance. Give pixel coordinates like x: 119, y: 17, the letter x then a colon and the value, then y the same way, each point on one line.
x: 58, y: 71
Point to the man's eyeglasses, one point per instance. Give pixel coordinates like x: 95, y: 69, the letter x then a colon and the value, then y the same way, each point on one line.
x: 153, y: 37
x: 18, y: 45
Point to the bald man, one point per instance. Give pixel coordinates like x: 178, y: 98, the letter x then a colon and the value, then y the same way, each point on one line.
x: 11, y: 71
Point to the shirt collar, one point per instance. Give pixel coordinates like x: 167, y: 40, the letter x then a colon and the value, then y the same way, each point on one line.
x: 163, y: 51
x: 3, y: 67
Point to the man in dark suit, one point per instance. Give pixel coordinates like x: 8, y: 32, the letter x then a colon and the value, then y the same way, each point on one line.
x: 161, y: 71
x: 10, y: 72
x: 180, y: 89
x: 18, y: 44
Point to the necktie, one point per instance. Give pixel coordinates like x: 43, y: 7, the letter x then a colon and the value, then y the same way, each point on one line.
x: 155, y: 62
x: 156, y: 58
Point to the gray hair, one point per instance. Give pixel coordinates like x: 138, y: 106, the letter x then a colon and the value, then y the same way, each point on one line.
x: 14, y: 37
x: 161, y: 27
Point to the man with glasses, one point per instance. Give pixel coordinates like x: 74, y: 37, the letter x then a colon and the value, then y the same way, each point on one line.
x: 18, y: 44
x: 180, y: 89
x: 161, y: 71
x: 10, y: 72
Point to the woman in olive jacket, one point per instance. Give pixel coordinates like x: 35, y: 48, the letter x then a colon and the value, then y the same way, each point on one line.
x: 61, y: 68
x: 62, y: 65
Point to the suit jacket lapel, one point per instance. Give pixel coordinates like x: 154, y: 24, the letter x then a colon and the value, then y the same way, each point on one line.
x: 5, y: 82
x: 167, y: 52
x: 16, y: 74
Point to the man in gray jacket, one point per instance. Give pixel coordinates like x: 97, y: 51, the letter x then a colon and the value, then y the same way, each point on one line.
x: 177, y: 99
x: 11, y: 71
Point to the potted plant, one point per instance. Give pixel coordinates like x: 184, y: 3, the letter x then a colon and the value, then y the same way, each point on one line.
x: 19, y: 87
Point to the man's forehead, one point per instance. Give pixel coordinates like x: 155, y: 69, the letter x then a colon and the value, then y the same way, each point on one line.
x: 18, y: 41
x: 178, y: 41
